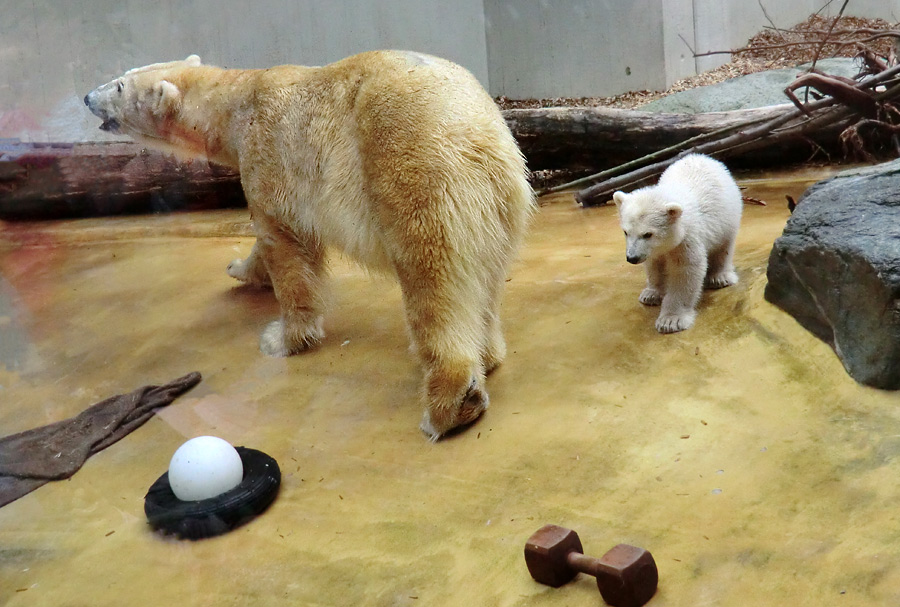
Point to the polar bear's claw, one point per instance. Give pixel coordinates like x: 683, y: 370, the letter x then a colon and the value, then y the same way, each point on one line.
x: 673, y: 323
x: 650, y: 297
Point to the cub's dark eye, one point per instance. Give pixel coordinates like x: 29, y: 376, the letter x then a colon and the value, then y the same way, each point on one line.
x: 120, y: 86
x: 647, y: 235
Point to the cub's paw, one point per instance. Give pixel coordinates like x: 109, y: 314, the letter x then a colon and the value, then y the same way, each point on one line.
x: 672, y: 323
x: 650, y: 297
x: 721, y: 280
x: 249, y: 271
x: 438, y: 422
x: 275, y: 341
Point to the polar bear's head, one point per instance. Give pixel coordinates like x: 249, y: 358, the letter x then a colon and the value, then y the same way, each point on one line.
x: 651, y: 220
x: 140, y: 101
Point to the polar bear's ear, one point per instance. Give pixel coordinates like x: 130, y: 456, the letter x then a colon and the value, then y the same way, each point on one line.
x: 193, y: 61
x: 167, y: 96
x: 673, y: 211
x: 619, y: 198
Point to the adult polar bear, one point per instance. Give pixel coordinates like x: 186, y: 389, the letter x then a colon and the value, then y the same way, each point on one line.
x: 399, y: 159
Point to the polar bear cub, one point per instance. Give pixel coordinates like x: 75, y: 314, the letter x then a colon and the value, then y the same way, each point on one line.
x: 684, y: 227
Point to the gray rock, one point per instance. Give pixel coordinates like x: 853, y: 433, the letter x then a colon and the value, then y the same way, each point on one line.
x: 745, y: 92
x: 836, y: 270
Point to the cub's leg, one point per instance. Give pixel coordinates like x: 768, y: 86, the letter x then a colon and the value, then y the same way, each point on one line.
x: 295, y: 263
x: 251, y: 270
x: 684, y: 284
x: 652, y: 295
x: 721, y: 267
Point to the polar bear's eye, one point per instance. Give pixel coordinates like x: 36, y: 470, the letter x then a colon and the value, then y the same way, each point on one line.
x: 120, y: 86
x: 647, y: 235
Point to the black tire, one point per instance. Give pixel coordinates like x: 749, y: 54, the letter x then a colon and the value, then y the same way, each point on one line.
x: 199, y: 519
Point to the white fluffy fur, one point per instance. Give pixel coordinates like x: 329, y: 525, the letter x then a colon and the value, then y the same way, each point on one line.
x: 684, y: 228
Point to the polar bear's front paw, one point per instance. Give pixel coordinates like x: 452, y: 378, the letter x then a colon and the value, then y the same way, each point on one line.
x: 271, y: 342
x: 721, y: 280
x: 275, y: 342
x: 238, y: 269
x: 672, y: 323
x: 650, y: 297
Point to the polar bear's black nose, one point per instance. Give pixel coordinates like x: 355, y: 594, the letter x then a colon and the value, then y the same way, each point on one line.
x: 633, y: 259
x: 86, y: 102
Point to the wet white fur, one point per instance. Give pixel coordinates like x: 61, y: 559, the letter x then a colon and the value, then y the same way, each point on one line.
x: 684, y: 229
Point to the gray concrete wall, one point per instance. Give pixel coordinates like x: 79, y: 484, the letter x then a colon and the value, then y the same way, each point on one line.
x: 678, y: 27
x: 539, y: 48
x: 889, y: 10
x: 543, y: 48
x: 53, y: 51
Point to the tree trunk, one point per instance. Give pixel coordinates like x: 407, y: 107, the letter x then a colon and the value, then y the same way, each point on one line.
x: 594, y: 139
x: 44, y: 181
x: 50, y: 181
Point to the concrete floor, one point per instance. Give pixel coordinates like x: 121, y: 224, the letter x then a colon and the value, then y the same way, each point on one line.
x: 739, y: 452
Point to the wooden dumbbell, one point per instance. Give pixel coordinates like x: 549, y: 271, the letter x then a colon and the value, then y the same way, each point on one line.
x: 626, y: 575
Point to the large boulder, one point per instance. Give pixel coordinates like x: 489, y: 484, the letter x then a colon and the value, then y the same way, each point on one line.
x: 743, y: 92
x: 836, y: 269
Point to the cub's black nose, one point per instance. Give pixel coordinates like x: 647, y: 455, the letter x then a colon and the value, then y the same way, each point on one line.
x: 86, y: 100
x: 634, y: 260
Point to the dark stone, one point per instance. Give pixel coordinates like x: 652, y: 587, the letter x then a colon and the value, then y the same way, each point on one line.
x: 836, y: 269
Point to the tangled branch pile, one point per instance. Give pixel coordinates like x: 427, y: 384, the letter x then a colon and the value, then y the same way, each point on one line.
x: 803, y: 43
x: 846, y: 107
x: 864, y: 111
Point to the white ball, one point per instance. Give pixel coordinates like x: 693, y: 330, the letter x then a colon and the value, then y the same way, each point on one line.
x: 204, y: 467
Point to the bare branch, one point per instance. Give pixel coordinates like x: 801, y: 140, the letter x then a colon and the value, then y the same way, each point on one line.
x: 663, y: 153
x: 768, y: 18
x: 824, y: 6
x: 688, y: 45
x: 842, y: 89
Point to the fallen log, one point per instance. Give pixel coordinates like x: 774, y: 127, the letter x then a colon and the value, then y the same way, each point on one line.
x: 48, y: 181
x: 765, y: 136
x: 66, y: 180
x: 593, y: 139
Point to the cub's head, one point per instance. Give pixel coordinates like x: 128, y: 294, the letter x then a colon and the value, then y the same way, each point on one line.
x: 139, y: 102
x: 651, y: 221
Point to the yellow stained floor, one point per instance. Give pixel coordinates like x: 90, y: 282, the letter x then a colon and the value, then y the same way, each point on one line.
x: 739, y: 452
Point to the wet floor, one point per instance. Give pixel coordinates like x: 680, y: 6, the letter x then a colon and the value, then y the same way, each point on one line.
x: 739, y: 452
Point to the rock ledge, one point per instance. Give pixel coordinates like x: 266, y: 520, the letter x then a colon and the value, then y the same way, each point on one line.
x: 836, y: 270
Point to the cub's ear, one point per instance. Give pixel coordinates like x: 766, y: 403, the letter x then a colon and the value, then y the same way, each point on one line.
x: 193, y: 60
x: 673, y: 211
x: 619, y: 198
x: 166, y: 95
